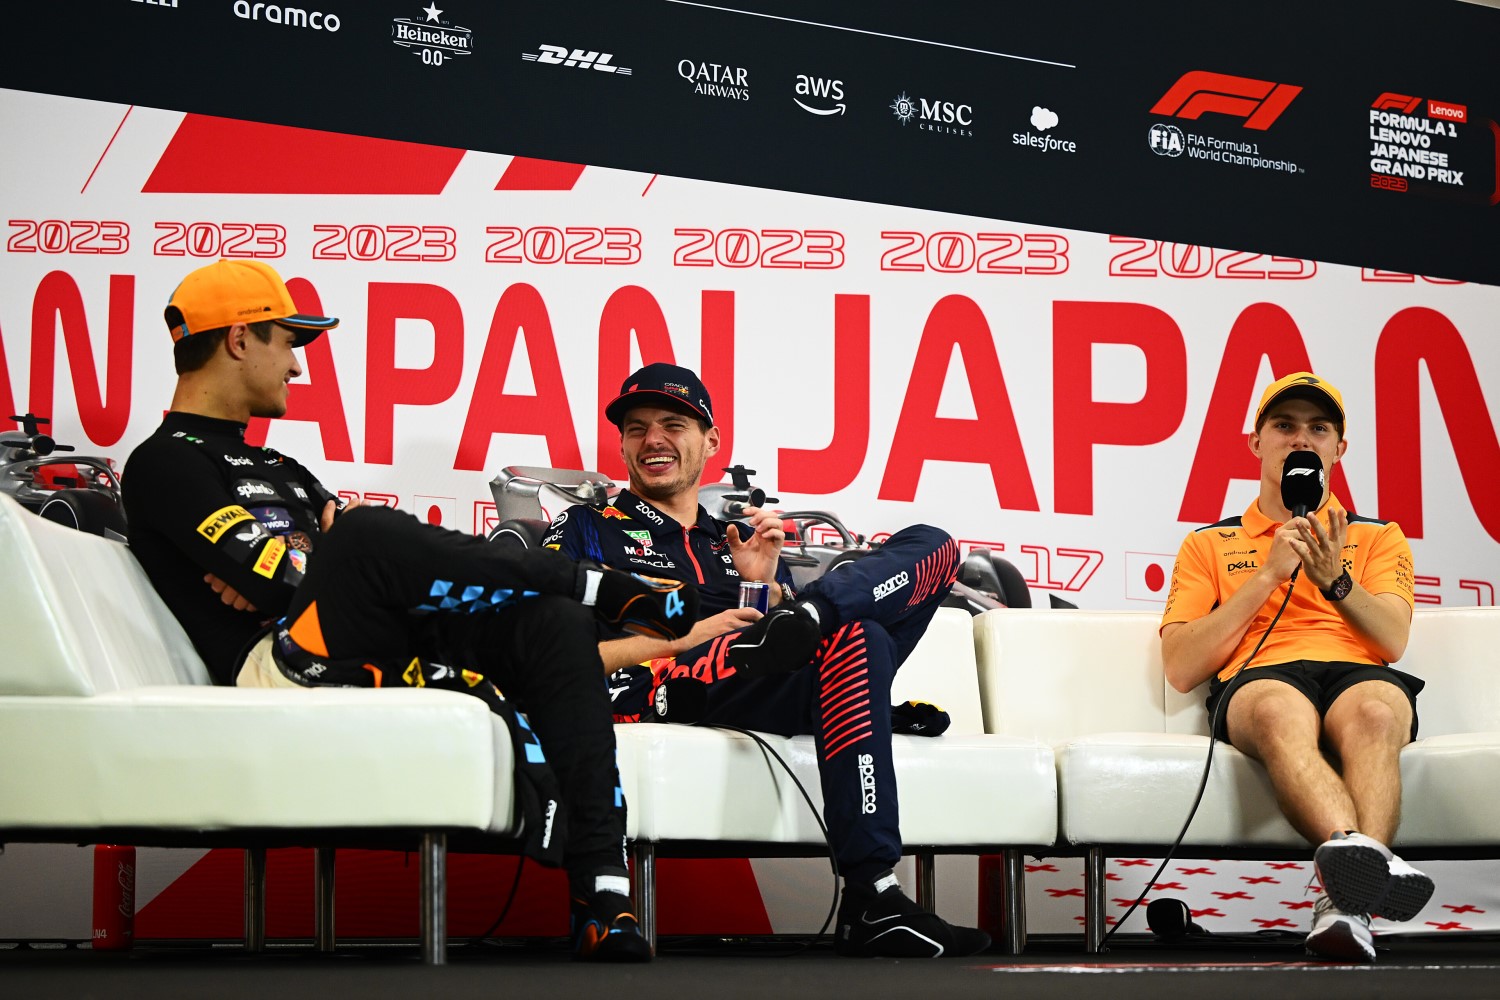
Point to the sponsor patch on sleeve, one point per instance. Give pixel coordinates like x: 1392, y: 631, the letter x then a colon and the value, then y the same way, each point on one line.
x: 270, y: 558
x: 214, y: 526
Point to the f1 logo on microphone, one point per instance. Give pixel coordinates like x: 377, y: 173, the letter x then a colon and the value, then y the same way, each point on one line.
x: 1199, y: 92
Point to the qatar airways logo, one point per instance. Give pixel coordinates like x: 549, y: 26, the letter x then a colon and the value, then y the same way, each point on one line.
x: 433, y: 40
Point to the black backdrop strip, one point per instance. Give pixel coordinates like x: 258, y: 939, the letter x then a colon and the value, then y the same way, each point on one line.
x: 1322, y: 181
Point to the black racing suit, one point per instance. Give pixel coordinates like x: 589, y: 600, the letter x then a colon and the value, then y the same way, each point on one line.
x: 874, y: 612
x: 383, y: 600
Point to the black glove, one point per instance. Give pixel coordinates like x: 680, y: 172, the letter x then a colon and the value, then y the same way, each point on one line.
x: 644, y: 605
x: 919, y: 718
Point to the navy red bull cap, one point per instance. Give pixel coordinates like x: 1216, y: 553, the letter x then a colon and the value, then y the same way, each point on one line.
x: 661, y: 384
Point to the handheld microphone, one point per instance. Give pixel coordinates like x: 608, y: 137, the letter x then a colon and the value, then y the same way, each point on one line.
x: 734, y: 506
x: 1302, y: 482
x: 1171, y: 920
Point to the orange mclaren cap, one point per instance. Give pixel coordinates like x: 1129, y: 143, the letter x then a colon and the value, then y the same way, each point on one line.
x: 1301, y: 385
x: 238, y: 291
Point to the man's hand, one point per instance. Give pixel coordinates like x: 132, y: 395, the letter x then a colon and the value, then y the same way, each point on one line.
x: 756, y: 557
x: 711, y: 628
x: 1283, y: 558
x: 1322, y: 552
x: 330, y: 510
x: 228, y: 594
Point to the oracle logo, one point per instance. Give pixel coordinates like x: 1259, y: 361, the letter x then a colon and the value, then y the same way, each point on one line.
x: 1199, y: 92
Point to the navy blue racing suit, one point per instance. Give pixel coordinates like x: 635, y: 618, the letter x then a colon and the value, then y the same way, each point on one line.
x: 881, y: 605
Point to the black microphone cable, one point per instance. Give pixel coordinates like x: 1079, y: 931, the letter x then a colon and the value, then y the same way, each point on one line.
x: 1213, y: 739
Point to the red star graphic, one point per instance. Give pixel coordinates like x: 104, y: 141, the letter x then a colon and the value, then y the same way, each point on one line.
x: 1278, y: 922
x: 1132, y: 862
x: 1060, y: 893
x: 1466, y: 908
x: 1211, y: 911
x: 1281, y: 866
x: 1234, y: 895
x: 1041, y: 868
x: 1259, y: 879
x: 1452, y: 925
x: 1197, y: 871
x: 1298, y: 904
x: 1111, y: 876
x: 1123, y: 902
x: 1167, y: 885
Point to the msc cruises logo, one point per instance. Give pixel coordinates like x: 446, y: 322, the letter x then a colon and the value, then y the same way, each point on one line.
x: 433, y: 39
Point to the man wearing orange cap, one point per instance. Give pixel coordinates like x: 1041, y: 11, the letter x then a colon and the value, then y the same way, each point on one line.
x: 240, y: 543
x: 1282, y: 689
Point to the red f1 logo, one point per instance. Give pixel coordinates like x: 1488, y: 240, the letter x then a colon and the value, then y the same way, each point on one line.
x: 1199, y: 92
x: 1396, y: 102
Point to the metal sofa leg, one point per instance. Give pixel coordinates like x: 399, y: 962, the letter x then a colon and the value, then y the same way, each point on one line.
x: 926, y: 875
x: 643, y: 858
x: 1013, y: 875
x: 1093, y: 900
x: 255, y: 899
x: 434, y: 898
x: 323, y: 892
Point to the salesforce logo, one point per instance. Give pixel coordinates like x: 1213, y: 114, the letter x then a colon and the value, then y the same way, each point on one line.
x: 294, y: 17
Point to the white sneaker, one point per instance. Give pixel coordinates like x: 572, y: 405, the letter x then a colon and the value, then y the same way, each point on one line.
x: 1406, y: 893
x: 1338, y: 935
x: 1361, y: 875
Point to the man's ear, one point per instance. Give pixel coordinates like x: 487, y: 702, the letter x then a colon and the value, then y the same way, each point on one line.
x: 235, y: 340
x: 711, y: 442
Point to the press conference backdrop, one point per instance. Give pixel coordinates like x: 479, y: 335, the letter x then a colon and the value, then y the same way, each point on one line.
x: 1018, y: 274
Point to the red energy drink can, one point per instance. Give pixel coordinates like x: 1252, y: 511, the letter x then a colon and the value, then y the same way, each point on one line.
x: 114, y: 897
x: 755, y: 595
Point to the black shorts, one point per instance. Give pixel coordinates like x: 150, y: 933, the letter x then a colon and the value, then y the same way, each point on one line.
x: 1320, y: 681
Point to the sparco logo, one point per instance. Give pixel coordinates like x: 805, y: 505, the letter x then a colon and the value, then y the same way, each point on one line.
x: 867, y: 781
x: 557, y: 55
x: 435, y: 41
x: 650, y: 514
x: 934, y: 116
x: 294, y: 17
x: 889, y: 587
x: 547, y: 829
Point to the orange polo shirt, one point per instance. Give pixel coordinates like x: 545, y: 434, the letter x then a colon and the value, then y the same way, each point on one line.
x: 1216, y: 559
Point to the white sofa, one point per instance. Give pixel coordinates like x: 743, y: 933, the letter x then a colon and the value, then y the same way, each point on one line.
x: 1130, y: 749
x: 112, y: 732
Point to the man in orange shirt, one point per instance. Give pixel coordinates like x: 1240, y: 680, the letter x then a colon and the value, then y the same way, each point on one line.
x: 1316, y: 678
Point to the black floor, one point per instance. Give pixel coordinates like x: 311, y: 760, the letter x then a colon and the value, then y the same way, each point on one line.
x: 1409, y: 968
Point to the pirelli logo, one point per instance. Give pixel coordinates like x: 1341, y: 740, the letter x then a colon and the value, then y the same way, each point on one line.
x: 214, y: 526
x: 270, y: 558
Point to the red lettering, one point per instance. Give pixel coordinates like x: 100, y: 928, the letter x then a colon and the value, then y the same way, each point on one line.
x: 1411, y: 337
x: 630, y: 311
x: 717, y: 341
x: 633, y: 311
x: 7, y: 399
x: 992, y: 438
x: 1078, y: 421
x: 830, y: 469
x: 319, y: 400
x: 59, y: 302
x: 1262, y: 331
x: 385, y: 384
x: 493, y: 411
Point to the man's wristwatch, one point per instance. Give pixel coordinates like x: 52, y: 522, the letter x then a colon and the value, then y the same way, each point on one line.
x: 1339, y: 588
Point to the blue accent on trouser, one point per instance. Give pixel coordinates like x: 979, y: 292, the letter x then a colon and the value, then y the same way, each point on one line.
x: 791, y: 704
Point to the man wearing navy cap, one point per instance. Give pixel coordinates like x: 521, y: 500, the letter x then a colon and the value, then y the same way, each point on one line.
x: 240, y: 543
x: 819, y: 663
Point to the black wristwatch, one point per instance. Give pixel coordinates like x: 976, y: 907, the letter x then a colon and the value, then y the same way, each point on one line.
x: 1340, y: 587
